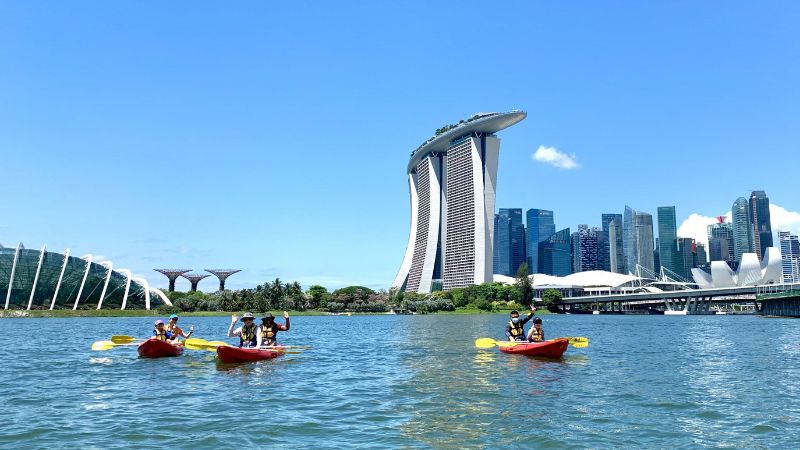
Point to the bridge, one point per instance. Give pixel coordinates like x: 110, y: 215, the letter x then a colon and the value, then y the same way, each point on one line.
x: 689, y: 301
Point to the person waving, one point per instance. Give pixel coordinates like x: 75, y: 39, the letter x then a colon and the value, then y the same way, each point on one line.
x: 268, y: 331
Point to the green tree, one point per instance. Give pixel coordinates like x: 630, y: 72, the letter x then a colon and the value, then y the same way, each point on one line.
x: 551, y: 298
x: 318, y: 296
x: 524, y: 285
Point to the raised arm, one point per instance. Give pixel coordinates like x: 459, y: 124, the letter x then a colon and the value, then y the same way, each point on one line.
x: 231, y: 331
x: 286, y: 319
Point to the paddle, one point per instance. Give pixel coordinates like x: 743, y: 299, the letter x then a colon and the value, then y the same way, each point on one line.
x: 577, y: 342
x: 108, y: 345
x: 124, y: 339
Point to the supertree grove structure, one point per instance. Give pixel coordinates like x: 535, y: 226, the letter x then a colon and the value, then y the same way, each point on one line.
x: 172, y: 275
x: 222, y: 274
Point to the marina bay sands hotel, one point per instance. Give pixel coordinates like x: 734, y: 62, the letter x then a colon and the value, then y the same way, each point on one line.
x: 452, y: 179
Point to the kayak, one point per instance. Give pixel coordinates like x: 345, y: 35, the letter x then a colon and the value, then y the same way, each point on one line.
x: 153, y: 348
x: 228, y: 354
x: 549, y: 349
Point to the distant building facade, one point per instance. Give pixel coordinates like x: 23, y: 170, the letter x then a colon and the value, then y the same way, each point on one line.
x: 509, y: 238
x: 555, y: 254
x: 762, y: 224
x: 668, y: 241
x: 720, y: 241
x: 742, y: 229
x: 790, y: 257
x: 638, y: 240
x: 540, y: 226
x: 616, y: 258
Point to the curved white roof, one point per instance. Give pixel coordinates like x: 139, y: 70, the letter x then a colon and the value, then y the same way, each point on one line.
x: 599, y: 278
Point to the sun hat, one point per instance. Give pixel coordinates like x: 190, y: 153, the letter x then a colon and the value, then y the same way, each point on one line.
x: 247, y: 315
x: 268, y: 316
x: 159, y: 322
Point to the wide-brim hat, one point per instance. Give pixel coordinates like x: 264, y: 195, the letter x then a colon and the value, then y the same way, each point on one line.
x: 247, y: 316
x: 267, y: 316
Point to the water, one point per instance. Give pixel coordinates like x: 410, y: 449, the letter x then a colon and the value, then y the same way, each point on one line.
x: 409, y: 382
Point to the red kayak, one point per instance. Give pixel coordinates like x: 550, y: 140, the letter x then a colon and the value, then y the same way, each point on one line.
x: 229, y: 354
x: 153, y: 348
x: 548, y: 349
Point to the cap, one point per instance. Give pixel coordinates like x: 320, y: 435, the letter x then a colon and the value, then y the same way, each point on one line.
x: 159, y: 322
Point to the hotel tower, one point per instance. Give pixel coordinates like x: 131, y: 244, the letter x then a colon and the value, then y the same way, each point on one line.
x: 452, y: 179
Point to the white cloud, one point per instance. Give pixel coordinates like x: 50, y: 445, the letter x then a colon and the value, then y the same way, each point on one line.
x: 783, y: 220
x: 696, y: 227
x: 551, y: 155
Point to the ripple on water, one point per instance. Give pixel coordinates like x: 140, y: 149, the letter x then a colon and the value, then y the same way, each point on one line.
x: 411, y: 382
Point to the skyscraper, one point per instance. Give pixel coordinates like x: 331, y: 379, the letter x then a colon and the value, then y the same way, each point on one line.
x: 701, y: 256
x: 720, y: 241
x: 762, y: 225
x: 509, y: 240
x: 555, y: 254
x: 452, y: 178
x: 502, y: 244
x: 540, y: 226
x: 589, y: 253
x: 687, y: 254
x: 616, y: 258
x: 614, y: 239
x: 637, y: 237
x: 742, y: 229
x: 790, y: 256
x: 575, y: 251
x: 668, y: 241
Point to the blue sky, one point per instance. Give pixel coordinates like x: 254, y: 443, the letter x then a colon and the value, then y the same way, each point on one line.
x: 273, y: 137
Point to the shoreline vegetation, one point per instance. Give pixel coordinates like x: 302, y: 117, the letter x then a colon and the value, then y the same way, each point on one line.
x: 68, y: 313
x: 276, y: 295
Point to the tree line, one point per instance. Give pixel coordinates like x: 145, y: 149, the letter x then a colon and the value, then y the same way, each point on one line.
x: 279, y: 295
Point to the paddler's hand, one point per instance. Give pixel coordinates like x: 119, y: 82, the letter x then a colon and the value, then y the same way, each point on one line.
x: 533, y: 309
x: 285, y: 315
x: 234, y: 318
x: 191, y: 329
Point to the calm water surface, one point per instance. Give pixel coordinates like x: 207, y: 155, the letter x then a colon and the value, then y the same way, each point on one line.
x: 409, y: 382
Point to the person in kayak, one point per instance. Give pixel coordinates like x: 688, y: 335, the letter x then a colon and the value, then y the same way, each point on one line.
x: 537, y: 333
x: 515, y: 330
x: 247, y: 332
x: 268, y: 331
x: 160, y: 332
x: 172, y: 327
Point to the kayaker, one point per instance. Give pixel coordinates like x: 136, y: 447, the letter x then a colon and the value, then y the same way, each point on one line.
x: 247, y: 332
x: 537, y: 333
x: 515, y: 329
x: 172, y: 327
x: 160, y: 332
x: 268, y: 331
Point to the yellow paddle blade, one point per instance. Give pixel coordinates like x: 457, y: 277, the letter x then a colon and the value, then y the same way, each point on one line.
x: 102, y: 345
x: 193, y: 346
x: 123, y: 339
x: 485, y: 343
x: 577, y: 342
x: 195, y: 342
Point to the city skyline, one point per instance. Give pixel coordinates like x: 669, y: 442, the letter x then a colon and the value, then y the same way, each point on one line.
x: 188, y: 150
